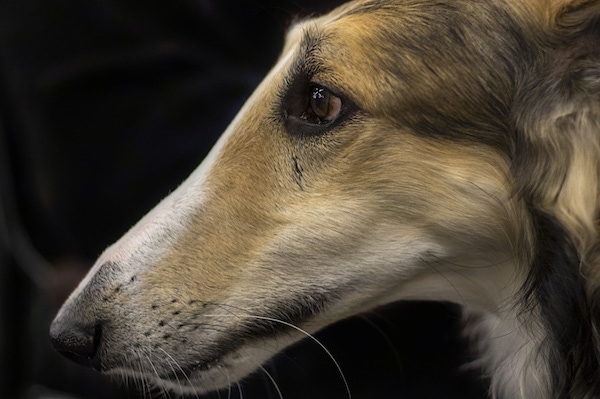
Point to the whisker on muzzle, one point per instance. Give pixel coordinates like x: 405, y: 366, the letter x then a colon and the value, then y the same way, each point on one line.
x: 247, y: 314
x: 172, y: 362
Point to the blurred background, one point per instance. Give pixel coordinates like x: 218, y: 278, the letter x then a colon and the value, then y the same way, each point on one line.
x: 106, y: 106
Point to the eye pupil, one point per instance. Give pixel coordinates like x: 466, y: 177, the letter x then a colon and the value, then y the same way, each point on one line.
x: 320, y: 98
x: 314, y: 105
x: 323, y: 106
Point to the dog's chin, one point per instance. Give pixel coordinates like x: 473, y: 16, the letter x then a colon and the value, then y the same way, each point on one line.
x: 201, y: 377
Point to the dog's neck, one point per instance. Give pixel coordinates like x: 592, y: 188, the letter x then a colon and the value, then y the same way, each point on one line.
x: 511, y: 354
x: 508, y: 351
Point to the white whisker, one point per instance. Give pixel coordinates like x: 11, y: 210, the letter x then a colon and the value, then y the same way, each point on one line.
x: 240, y: 389
x: 272, y: 381
x: 162, y: 390
x: 228, y: 308
x: 144, y: 384
x: 182, y: 372
x: 172, y: 368
x: 314, y: 339
x: 228, y: 383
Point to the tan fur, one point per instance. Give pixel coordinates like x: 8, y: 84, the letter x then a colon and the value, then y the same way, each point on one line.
x: 430, y: 190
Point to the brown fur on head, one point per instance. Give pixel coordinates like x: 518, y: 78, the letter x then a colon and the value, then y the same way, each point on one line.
x: 456, y: 158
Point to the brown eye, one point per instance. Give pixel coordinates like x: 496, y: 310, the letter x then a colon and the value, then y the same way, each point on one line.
x: 309, y: 109
x: 323, y: 106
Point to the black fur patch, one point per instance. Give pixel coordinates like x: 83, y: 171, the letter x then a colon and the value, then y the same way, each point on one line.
x: 556, y: 283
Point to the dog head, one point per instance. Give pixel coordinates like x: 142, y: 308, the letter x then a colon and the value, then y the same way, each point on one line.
x: 397, y: 150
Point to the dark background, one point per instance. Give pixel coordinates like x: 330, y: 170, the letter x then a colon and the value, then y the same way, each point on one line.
x: 106, y: 106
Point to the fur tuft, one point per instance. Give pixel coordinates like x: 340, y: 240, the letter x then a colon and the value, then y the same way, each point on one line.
x: 557, y: 164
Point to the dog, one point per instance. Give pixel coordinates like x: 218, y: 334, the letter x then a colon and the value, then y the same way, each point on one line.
x: 442, y: 150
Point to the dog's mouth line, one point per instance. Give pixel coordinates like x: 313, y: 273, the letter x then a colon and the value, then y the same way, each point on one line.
x: 164, y: 368
x: 230, y: 355
x: 226, y: 357
x: 176, y: 375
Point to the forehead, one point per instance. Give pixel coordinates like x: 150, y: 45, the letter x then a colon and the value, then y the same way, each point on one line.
x: 370, y: 51
x: 432, y: 66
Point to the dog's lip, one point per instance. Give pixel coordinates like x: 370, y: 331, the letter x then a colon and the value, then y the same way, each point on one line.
x: 202, y: 366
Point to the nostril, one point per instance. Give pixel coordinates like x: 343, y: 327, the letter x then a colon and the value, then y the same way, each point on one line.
x: 77, y: 343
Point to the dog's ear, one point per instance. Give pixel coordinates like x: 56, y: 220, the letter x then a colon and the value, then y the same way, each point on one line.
x: 557, y: 169
x: 557, y: 152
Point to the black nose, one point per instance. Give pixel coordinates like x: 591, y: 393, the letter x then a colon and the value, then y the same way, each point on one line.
x: 78, y: 343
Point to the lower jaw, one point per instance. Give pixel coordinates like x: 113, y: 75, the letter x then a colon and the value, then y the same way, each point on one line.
x: 192, y: 383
